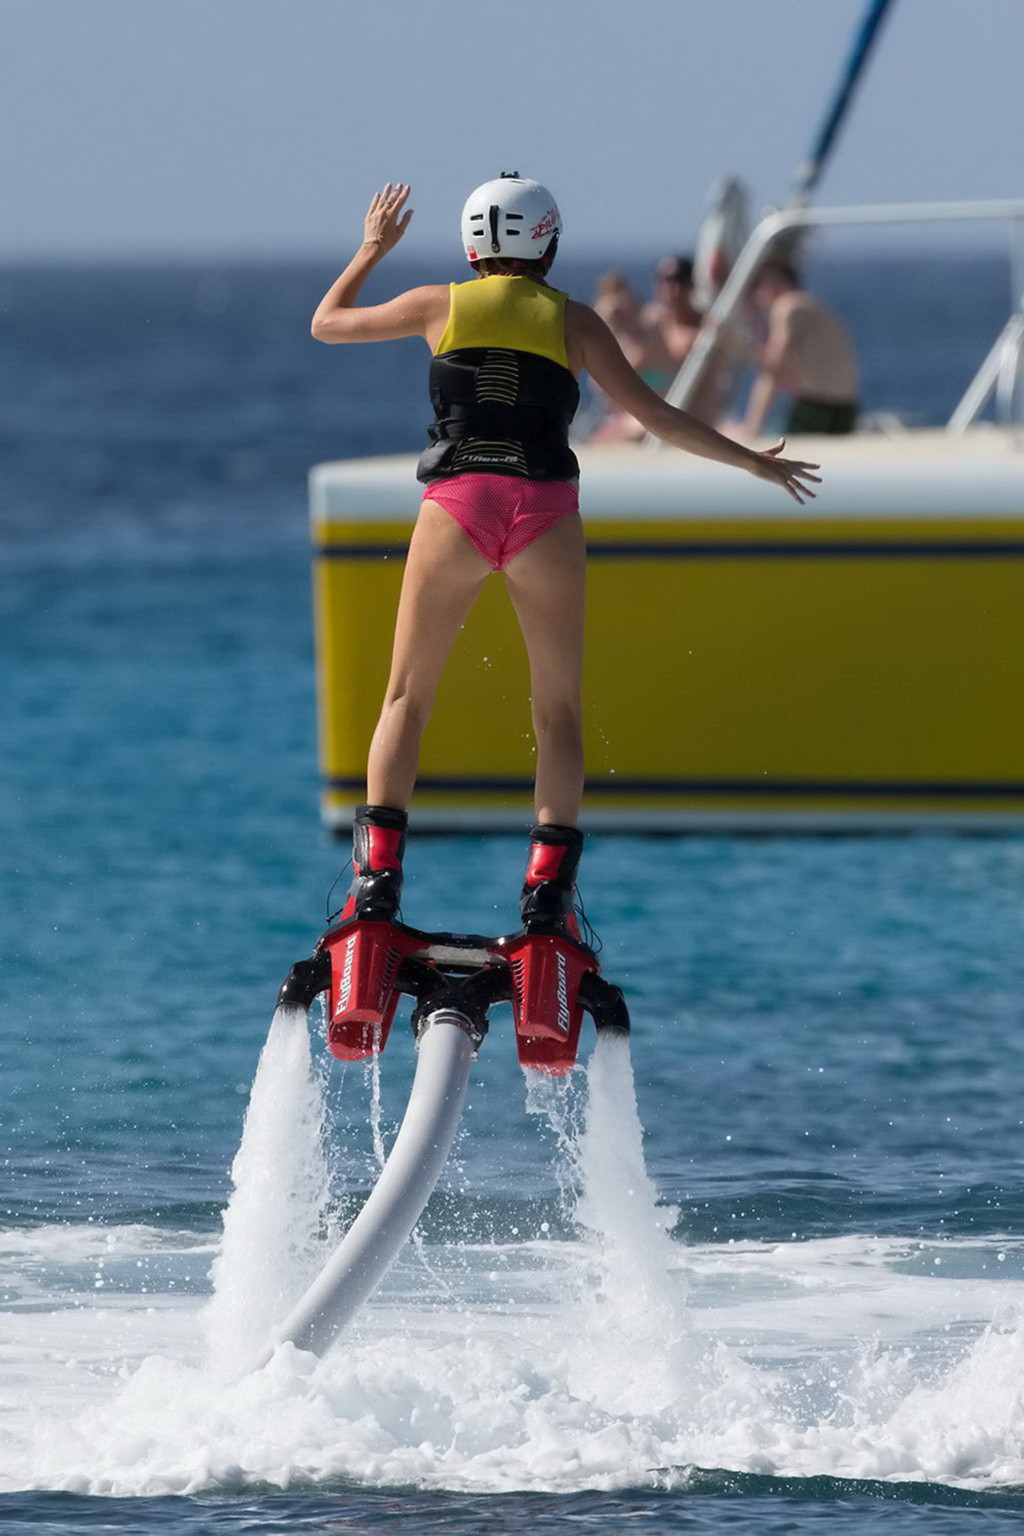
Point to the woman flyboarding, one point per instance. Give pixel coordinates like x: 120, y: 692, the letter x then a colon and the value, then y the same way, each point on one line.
x: 500, y: 495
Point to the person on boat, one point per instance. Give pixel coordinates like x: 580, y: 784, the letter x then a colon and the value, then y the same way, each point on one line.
x: 808, y: 354
x: 643, y: 348
x: 501, y: 494
x: 674, y: 315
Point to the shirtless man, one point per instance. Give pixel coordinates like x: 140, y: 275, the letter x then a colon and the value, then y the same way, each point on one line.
x: 675, y: 317
x: 808, y: 355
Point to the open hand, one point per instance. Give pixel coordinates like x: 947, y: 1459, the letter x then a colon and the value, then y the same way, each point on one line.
x: 794, y: 476
x: 383, y: 226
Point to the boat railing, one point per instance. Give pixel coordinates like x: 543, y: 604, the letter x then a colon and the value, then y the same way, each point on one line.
x: 1001, y: 370
x: 1000, y: 374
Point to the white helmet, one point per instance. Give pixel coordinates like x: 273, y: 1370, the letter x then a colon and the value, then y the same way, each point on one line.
x: 511, y: 217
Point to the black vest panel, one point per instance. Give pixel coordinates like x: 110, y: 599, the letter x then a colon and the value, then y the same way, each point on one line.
x: 500, y: 412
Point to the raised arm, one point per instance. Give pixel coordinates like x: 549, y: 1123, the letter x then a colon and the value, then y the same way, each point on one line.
x: 419, y: 312
x: 594, y: 346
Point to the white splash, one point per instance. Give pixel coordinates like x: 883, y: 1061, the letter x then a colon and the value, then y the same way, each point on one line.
x: 630, y: 1291
x: 276, y: 1224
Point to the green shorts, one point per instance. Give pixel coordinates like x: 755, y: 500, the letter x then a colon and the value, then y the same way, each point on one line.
x: 828, y: 416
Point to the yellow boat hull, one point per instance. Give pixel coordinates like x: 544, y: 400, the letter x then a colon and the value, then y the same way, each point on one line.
x: 848, y: 664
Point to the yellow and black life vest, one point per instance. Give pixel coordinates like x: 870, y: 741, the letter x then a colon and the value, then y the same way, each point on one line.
x: 500, y: 384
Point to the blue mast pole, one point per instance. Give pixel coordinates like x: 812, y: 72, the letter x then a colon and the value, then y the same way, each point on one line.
x: 810, y: 172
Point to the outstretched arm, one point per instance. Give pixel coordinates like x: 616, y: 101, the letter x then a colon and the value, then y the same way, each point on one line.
x: 415, y: 313
x: 603, y: 359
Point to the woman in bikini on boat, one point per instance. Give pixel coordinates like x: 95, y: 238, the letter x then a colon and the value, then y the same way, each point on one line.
x: 500, y: 495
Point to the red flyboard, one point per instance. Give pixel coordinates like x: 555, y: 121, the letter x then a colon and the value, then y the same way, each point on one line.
x: 365, y: 958
x: 546, y: 974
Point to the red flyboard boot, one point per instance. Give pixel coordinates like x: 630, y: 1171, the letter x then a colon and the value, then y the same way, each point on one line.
x: 378, y: 848
x: 366, y: 950
x: 549, y: 960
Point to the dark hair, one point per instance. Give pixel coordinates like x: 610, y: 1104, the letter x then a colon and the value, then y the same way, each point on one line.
x: 779, y: 268
x: 681, y: 269
x: 509, y: 266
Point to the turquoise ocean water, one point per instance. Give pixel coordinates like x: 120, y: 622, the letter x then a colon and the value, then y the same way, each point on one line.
x: 809, y: 1308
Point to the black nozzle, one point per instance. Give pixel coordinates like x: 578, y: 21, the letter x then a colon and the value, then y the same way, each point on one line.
x: 306, y: 980
x: 470, y: 995
x: 605, y: 1003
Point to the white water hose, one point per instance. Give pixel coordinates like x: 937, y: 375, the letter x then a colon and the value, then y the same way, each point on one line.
x: 373, y: 1241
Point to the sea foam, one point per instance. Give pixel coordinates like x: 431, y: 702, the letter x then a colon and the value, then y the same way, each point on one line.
x: 626, y: 1359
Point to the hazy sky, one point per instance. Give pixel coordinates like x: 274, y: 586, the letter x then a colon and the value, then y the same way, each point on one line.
x: 262, y: 126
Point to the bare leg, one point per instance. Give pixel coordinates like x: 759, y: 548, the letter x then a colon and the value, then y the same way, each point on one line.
x: 547, y: 585
x: 444, y: 573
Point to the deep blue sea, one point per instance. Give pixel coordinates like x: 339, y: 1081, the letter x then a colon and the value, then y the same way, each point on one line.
x: 808, y: 1310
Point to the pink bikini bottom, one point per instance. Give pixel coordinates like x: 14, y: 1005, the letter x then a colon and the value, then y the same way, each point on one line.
x: 502, y: 514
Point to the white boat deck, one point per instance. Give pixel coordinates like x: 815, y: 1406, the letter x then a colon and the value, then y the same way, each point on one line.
x: 917, y: 473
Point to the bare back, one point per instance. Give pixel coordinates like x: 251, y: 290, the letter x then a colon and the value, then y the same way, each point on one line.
x: 814, y: 349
